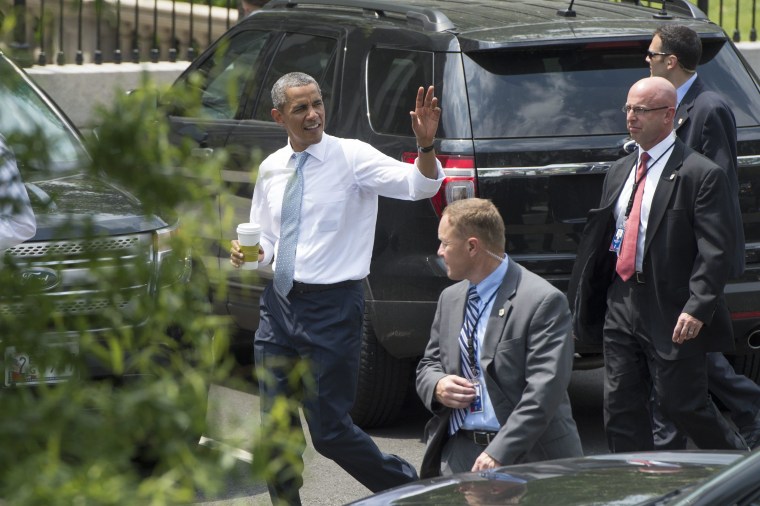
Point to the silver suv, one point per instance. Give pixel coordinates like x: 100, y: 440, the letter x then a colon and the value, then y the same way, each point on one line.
x: 93, y: 240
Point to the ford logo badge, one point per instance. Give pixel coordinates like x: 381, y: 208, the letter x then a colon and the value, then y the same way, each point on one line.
x: 40, y: 278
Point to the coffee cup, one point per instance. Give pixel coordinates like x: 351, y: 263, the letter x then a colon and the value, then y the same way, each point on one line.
x: 249, y: 235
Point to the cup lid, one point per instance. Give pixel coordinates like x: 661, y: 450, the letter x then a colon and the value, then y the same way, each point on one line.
x: 248, y: 228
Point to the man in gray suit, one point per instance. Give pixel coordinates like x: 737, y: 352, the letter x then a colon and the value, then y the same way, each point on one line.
x: 496, y: 370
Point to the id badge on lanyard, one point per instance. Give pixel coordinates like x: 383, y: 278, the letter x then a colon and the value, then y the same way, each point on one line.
x: 617, y: 239
x: 476, y: 406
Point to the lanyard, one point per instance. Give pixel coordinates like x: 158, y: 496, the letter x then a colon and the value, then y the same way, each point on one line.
x: 470, y: 338
x: 643, y: 176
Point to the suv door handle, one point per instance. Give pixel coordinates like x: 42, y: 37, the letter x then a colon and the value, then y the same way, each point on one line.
x: 202, y: 152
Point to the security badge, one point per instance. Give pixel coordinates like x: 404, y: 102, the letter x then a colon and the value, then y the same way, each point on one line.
x: 617, y: 239
x: 477, y: 404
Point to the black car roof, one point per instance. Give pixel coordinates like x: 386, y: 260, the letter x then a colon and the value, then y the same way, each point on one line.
x: 485, y: 24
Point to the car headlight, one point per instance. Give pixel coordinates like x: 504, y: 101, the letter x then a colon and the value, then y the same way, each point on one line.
x: 171, y: 258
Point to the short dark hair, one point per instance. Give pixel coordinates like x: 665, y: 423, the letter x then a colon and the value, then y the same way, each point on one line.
x: 291, y: 80
x: 683, y: 42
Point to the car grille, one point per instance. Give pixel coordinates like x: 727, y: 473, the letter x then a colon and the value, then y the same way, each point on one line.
x: 76, y: 278
x: 76, y: 248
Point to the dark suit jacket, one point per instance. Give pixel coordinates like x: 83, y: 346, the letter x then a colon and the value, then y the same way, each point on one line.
x: 526, y: 359
x: 686, y: 262
x: 706, y: 124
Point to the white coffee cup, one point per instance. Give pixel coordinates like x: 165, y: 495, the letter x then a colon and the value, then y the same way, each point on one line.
x: 249, y: 235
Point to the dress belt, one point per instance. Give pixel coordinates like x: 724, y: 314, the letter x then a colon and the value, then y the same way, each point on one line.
x: 299, y: 287
x: 479, y: 437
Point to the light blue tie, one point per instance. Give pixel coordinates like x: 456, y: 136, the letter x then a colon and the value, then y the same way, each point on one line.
x: 290, y: 219
x: 467, y: 332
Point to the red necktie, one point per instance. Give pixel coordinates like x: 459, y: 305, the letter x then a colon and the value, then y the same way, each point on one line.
x: 626, y: 262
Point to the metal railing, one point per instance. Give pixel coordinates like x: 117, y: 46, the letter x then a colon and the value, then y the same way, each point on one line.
x: 734, y: 16
x: 101, y: 31
x: 112, y: 31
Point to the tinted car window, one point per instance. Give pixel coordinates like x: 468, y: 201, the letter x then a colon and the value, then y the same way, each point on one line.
x: 723, y: 73
x: 550, y: 92
x: 24, y: 114
x: 233, y: 65
x: 300, y: 52
x: 393, y: 77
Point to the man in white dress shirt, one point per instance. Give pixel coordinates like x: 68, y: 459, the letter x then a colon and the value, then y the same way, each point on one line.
x: 17, y: 223
x: 313, y: 311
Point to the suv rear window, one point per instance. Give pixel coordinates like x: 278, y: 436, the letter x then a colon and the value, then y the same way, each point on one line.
x: 548, y: 92
x: 578, y: 90
x: 722, y: 72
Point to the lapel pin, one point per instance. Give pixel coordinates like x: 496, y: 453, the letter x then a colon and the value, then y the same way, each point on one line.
x: 680, y: 120
x: 501, y: 312
x: 672, y: 176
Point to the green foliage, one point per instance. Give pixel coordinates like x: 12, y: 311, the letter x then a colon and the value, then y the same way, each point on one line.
x: 129, y: 436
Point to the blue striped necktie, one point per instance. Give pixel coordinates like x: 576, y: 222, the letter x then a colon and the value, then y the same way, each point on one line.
x: 468, y: 328
x: 290, y: 219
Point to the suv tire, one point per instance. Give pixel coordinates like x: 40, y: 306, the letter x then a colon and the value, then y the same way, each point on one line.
x: 382, y: 384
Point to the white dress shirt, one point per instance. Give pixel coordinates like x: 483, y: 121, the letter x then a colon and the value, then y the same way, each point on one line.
x: 17, y: 222
x: 660, y: 154
x: 342, y: 181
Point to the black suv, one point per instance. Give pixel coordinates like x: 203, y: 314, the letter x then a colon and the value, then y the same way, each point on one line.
x: 531, y: 93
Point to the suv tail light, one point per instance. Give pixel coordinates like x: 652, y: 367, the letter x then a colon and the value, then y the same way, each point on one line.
x: 459, y: 182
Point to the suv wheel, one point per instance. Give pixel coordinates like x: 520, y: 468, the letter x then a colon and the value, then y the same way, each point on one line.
x: 383, y: 382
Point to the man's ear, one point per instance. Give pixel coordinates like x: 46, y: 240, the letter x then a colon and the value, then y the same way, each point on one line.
x: 472, y: 245
x: 277, y: 116
x: 672, y: 61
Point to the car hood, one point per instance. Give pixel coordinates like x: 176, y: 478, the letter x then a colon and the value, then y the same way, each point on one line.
x: 620, y: 479
x: 80, y: 206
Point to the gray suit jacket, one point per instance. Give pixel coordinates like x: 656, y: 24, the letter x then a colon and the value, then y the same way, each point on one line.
x: 526, y: 359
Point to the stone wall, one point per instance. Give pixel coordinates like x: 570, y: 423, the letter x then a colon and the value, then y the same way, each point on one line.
x: 79, y: 89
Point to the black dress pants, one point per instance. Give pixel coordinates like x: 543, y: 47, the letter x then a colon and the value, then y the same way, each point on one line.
x: 739, y: 394
x: 307, y: 348
x: 633, y: 369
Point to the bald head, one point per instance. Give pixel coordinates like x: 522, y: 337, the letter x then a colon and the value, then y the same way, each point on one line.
x: 658, y: 88
x: 655, y: 100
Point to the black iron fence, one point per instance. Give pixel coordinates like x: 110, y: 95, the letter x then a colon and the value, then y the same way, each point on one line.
x: 113, y: 31
x: 737, y: 17
x: 100, y: 31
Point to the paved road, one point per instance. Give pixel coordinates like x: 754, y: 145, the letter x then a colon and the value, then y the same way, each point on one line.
x: 233, y: 413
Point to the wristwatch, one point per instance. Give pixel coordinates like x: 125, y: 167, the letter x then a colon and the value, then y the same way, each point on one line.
x: 427, y: 149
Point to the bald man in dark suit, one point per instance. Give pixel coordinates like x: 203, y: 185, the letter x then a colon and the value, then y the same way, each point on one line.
x: 649, y: 279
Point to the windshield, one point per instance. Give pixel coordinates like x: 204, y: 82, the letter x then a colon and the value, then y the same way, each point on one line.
x: 580, y: 89
x: 40, y: 139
